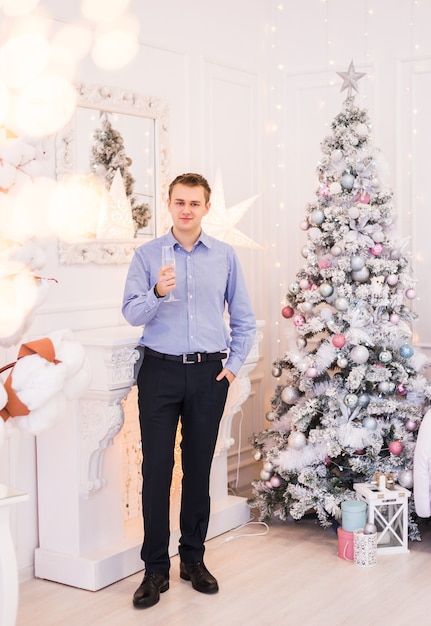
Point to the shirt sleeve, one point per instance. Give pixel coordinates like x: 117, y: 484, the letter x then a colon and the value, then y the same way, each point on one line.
x: 241, y: 317
x: 140, y: 303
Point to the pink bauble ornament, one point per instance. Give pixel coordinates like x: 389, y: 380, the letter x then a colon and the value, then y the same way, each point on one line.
x: 275, y: 481
x: 324, y: 191
x: 401, y: 390
x: 287, y: 312
x: 363, y: 198
x: 377, y: 249
x: 312, y: 372
x: 395, y: 447
x: 338, y: 340
x: 324, y: 263
x: 411, y: 425
x: 299, y: 320
x: 327, y: 462
x: 394, y: 318
x: 392, y: 280
x: 304, y: 283
x: 411, y: 294
x: 304, y: 225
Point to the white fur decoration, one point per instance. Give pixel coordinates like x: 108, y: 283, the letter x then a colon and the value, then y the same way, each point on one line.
x: 292, y: 460
x: 351, y: 436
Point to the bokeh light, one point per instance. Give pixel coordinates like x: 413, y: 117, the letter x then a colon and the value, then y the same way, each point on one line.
x: 45, y: 106
x: 114, y: 49
x: 102, y: 11
x: 75, y: 207
x: 23, y: 58
x: 16, y: 8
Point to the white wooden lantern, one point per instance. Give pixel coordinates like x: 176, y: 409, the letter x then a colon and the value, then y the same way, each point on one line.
x: 387, y: 510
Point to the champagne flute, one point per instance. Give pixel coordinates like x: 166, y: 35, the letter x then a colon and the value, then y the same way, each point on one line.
x: 168, y: 258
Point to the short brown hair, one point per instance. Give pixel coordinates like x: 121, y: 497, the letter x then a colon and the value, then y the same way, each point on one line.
x: 192, y: 180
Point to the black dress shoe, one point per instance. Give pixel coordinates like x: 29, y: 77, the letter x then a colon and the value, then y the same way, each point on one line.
x: 201, y: 578
x: 148, y: 592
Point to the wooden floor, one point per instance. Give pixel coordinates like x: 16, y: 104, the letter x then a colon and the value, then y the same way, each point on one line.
x: 287, y: 577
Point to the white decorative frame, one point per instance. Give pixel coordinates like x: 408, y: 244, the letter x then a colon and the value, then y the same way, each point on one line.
x: 112, y: 99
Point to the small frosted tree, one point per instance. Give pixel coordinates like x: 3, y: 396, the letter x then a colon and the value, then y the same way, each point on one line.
x: 108, y: 154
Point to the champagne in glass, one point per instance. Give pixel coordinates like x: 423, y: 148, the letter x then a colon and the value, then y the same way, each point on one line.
x: 168, y: 258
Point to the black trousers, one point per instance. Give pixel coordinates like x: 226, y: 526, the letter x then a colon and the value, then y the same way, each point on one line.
x: 168, y: 390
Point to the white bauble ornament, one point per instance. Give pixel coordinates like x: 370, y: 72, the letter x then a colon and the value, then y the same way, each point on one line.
x: 336, y: 250
x: 354, y: 212
x: 314, y: 233
x: 268, y: 466
x: 297, y: 440
x: 342, y: 362
x: 341, y: 304
x: 370, y: 423
x: 335, y: 188
x: 359, y: 355
x: 361, y: 276
x: 336, y: 155
x: 347, y: 181
x: 383, y: 387
x: 305, y: 251
x: 257, y: 455
x: 378, y: 236
x: 326, y: 313
x: 265, y: 475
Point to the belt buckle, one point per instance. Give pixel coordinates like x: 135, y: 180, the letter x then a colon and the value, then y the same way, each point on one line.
x: 194, y: 356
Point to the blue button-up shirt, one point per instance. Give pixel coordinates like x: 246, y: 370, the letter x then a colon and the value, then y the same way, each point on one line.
x: 207, y: 279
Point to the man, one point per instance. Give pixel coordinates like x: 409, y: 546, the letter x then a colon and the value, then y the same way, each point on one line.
x: 182, y: 375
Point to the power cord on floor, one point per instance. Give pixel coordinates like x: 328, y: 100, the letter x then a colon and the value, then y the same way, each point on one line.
x: 230, y: 538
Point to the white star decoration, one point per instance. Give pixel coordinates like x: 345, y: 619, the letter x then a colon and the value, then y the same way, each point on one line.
x: 221, y: 221
x: 350, y: 79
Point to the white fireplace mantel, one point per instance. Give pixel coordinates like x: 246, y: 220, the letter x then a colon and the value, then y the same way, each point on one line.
x: 83, y: 538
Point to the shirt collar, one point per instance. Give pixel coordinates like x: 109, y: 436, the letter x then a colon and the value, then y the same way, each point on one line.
x: 205, y: 239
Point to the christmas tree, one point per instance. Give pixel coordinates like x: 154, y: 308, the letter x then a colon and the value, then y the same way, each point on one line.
x: 107, y: 155
x: 351, y: 390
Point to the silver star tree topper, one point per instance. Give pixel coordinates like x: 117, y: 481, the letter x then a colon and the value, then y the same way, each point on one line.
x: 350, y: 79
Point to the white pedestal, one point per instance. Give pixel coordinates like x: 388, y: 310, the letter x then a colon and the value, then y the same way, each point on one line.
x: 84, y: 541
x: 8, y: 565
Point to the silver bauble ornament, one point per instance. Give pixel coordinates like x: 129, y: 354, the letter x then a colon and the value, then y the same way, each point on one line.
x: 347, y: 181
x: 294, y: 288
x: 305, y: 251
x: 342, y: 362
x: 405, y: 479
x: 370, y: 423
x: 276, y: 371
x: 370, y: 529
x: 257, y: 455
x: 301, y: 342
x: 361, y: 276
x: 268, y: 466
x: 385, y: 356
x: 317, y: 216
x: 326, y: 290
x: 364, y: 399
x: 271, y: 416
x: 356, y: 262
x: 289, y: 395
x: 350, y: 400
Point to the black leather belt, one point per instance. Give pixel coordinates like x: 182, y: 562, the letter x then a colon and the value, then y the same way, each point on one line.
x: 191, y: 357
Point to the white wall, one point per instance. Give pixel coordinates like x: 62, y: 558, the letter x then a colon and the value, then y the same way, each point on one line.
x: 252, y: 87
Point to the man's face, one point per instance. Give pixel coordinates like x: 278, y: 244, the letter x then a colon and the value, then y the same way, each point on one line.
x: 187, y: 207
